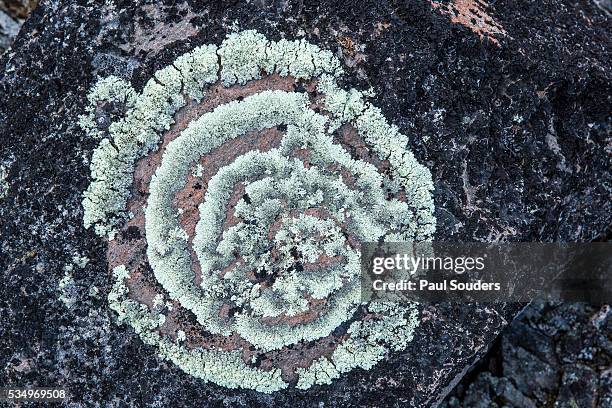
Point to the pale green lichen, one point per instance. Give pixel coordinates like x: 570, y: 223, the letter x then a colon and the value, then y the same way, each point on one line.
x: 198, y: 68
x: 3, y: 183
x: 245, y: 55
x: 158, y: 301
x: 222, y: 367
x: 80, y: 261
x: 321, y: 371
x: 181, y: 336
x: 368, y: 344
x: 132, y: 137
x: 198, y: 170
x: 274, y: 181
x: 93, y: 291
x: 65, y: 286
x: 110, y: 89
x: 371, y: 214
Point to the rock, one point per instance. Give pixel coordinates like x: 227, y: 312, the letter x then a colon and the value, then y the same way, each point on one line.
x: 579, y: 387
x: 510, y: 118
x: 12, y: 15
x: 531, y: 340
x: 488, y: 391
x: 19, y: 9
x: 532, y: 376
x: 548, y: 358
x: 8, y: 30
x: 605, y: 384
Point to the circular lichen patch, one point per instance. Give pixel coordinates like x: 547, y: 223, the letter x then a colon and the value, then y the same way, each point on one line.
x: 235, y: 191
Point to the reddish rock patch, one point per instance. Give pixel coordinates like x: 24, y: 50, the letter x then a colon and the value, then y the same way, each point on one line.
x: 472, y: 14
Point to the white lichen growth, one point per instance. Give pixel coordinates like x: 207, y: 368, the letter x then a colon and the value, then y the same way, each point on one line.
x: 148, y: 113
x: 65, y: 288
x: 158, y: 301
x: 276, y: 182
x: 93, y: 291
x: 80, y: 261
x: 3, y: 183
x: 198, y: 170
x: 225, y: 368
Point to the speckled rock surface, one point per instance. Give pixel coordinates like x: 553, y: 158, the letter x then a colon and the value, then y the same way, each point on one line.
x: 509, y: 114
x: 553, y: 355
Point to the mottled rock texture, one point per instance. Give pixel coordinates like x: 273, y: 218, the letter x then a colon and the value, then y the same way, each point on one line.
x: 553, y: 355
x: 513, y: 123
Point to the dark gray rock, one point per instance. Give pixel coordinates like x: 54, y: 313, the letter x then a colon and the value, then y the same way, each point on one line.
x: 492, y: 392
x: 605, y: 385
x: 532, y: 376
x: 9, y: 28
x: 548, y: 358
x: 515, y: 130
x: 579, y: 387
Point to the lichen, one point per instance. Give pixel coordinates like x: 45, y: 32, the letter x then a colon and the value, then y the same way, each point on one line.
x: 137, y: 133
x: 280, y: 187
x: 3, y: 183
x: 65, y: 286
x: 80, y: 261
x: 226, y: 368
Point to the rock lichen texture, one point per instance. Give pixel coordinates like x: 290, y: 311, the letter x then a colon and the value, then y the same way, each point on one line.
x: 112, y: 189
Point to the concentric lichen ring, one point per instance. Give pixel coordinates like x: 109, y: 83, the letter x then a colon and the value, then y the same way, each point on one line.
x: 316, y: 209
